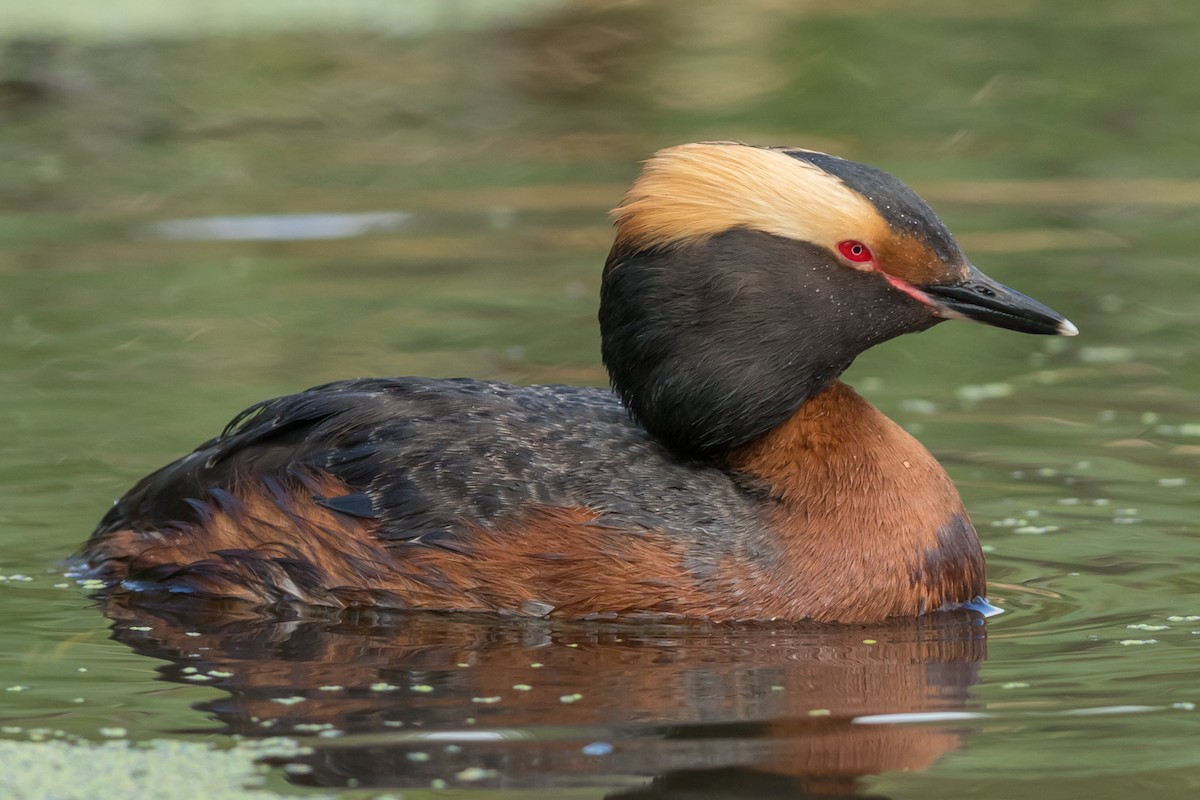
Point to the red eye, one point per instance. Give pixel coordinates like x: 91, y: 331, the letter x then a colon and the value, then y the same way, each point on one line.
x: 855, y: 251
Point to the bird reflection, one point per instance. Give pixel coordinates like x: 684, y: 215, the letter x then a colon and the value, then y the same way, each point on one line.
x: 650, y: 711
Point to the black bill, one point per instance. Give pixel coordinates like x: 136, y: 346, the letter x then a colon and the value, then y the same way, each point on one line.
x: 984, y: 300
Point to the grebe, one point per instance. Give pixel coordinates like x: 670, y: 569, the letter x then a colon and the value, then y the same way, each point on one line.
x: 729, y: 476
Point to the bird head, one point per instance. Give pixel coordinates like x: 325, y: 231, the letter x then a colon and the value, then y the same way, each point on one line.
x: 744, y: 279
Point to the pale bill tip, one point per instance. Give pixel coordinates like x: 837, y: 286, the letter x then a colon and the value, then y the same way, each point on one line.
x: 1065, y: 328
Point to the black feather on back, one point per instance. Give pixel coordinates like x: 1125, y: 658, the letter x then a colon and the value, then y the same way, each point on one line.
x: 423, y: 456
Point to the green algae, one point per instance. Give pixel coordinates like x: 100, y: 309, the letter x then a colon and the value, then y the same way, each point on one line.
x: 157, y: 770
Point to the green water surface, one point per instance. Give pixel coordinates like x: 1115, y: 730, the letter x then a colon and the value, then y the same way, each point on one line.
x: 1058, y: 141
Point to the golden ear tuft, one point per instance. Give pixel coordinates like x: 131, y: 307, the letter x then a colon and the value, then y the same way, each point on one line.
x: 691, y: 192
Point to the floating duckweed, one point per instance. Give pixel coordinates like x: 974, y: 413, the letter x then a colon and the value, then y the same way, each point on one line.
x: 140, y: 628
x: 277, y: 747
x: 1184, y: 706
x: 776, y: 688
x: 487, y: 700
x: 1134, y: 642
x: 570, y: 698
x: 1142, y: 626
x: 1105, y: 355
x: 198, y: 677
x: 112, y: 733
x: 417, y: 756
x: 522, y: 687
x: 1014, y: 685
x: 1182, y: 618
x: 423, y: 688
x: 193, y: 634
x: 475, y: 774
x: 288, y: 701
x: 462, y: 664
x: 917, y: 406
x: 162, y: 770
x: 383, y: 686
x: 17, y: 688
x: 1036, y: 530
x: 189, y: 670
x: 297, y: 769
x: 820, y: 712
x: 537, y: 665
x: 984, y: 391
x: 62, y: 586
x: 331, y: 688
x: 220, y: 673
x: 870, y: 641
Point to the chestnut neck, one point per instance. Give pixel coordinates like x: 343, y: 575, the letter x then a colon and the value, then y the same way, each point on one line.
x: 867, y: 522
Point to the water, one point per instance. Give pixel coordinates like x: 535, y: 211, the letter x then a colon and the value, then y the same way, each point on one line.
x: 152, y: 284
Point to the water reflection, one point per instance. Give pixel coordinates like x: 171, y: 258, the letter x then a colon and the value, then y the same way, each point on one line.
x: 410, y: 700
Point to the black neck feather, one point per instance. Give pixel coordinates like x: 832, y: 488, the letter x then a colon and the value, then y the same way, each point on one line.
x: 713, y: 344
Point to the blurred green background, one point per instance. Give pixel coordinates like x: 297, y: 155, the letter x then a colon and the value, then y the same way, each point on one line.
x: 205, y: 204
